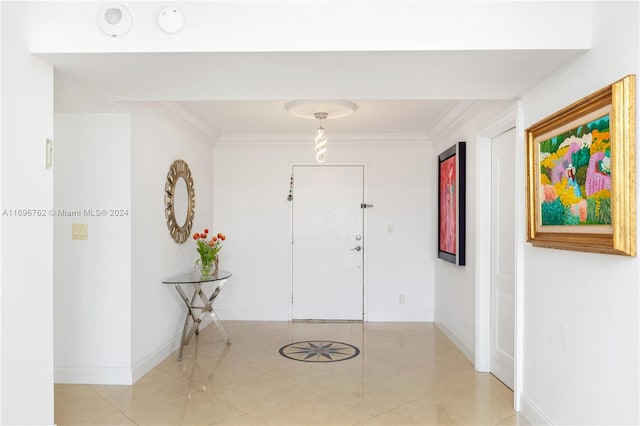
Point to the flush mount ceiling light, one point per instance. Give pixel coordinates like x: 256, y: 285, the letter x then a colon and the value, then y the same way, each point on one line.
x: 114, y: 19
x: 171, y: 20
x: 320, y: 110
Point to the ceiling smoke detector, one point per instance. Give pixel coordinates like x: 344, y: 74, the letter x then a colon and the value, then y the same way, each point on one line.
x: 171, y: 20
x: 114, y: 19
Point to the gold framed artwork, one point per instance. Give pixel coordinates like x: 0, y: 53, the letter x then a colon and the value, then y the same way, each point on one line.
x: 581, y: 174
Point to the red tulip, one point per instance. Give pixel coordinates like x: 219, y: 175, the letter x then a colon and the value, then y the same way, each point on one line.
x: 223, y: 238
x: 219, y: 235
x: 196, y: 236
x: 206, y: 231
x: 214, y: 239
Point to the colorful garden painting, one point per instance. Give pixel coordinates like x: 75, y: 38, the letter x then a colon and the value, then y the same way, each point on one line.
x: 448, y: 205
x: 575, y: 176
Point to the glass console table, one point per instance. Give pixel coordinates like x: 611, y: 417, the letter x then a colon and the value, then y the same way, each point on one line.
x: 195, y: 313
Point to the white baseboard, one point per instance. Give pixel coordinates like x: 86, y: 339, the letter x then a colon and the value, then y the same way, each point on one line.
x: 404, y: 316
x: 531, y: 413
x: 120, y: 376
x: 147, y: 363
x: 251, y: 315
x: 455, y: 339
x: 247, y: 315
x: 92, y: 376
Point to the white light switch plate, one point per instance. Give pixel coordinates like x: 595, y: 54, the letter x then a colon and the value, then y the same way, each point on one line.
x: 79, y: 231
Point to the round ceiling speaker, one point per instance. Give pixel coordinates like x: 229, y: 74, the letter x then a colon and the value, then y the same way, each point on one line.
x: 171, y: 20
x: 114, y: 19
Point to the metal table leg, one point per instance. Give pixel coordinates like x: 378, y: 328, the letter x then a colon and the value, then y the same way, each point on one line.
x: 212, y: 312
x: 207, y: 308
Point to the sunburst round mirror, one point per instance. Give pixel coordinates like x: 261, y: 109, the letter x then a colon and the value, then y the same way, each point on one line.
x: 179, y: 201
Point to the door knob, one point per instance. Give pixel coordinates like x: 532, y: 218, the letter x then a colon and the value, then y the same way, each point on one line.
x: 357, y: 248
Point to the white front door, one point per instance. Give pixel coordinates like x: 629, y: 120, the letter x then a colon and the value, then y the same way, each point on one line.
x: 503, y: 256
x: 328, y: 242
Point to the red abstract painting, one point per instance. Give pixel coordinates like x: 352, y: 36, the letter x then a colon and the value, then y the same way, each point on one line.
x: 448, y: 206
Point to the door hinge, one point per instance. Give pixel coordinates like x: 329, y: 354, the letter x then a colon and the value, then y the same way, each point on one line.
x: 366, y: 206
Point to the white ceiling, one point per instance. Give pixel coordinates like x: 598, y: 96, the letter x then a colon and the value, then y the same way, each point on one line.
x: 245, y: 93
x: 372, y: 116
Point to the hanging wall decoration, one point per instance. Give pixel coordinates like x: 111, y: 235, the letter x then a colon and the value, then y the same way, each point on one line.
x: 290, y: 197
x: 581, y: 174
x: 179, y: 201
x: 451, y: 204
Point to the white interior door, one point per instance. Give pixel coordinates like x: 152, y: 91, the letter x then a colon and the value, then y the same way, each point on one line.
x: 327, y: 232
x: 503, y: 256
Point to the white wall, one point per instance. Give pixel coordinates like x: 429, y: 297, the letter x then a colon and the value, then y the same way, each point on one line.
x: 223, y: 26
x: 27, y: 258
x: 114, y: 319
x: 157, y: 313
x: 1, y: 204
x: 581, y: 346
x: 252, y: 184
x: 455, y: 297
x: 574, y: 327
x: 92, y: 278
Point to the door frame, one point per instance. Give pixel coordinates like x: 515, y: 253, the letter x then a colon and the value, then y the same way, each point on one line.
x: 364, y: 165
x: 512, y: 117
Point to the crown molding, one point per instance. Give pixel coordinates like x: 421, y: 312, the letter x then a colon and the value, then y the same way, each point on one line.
x: 453, y: 119
x: 335, y: 140
x: 502, y: 123
x: 191, y: 119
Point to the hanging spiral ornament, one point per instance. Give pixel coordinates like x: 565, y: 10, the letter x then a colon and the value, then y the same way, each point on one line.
x: 321, y: 146
x: 321, y: 139
x: 320, y: 110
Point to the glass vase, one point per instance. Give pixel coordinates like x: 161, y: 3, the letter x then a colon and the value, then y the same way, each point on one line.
x: 206, y: 268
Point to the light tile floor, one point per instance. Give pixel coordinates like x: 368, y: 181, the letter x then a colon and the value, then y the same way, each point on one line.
x: 406, y: 374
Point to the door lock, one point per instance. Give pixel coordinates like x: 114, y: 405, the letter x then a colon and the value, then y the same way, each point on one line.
x: 357, y: 248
